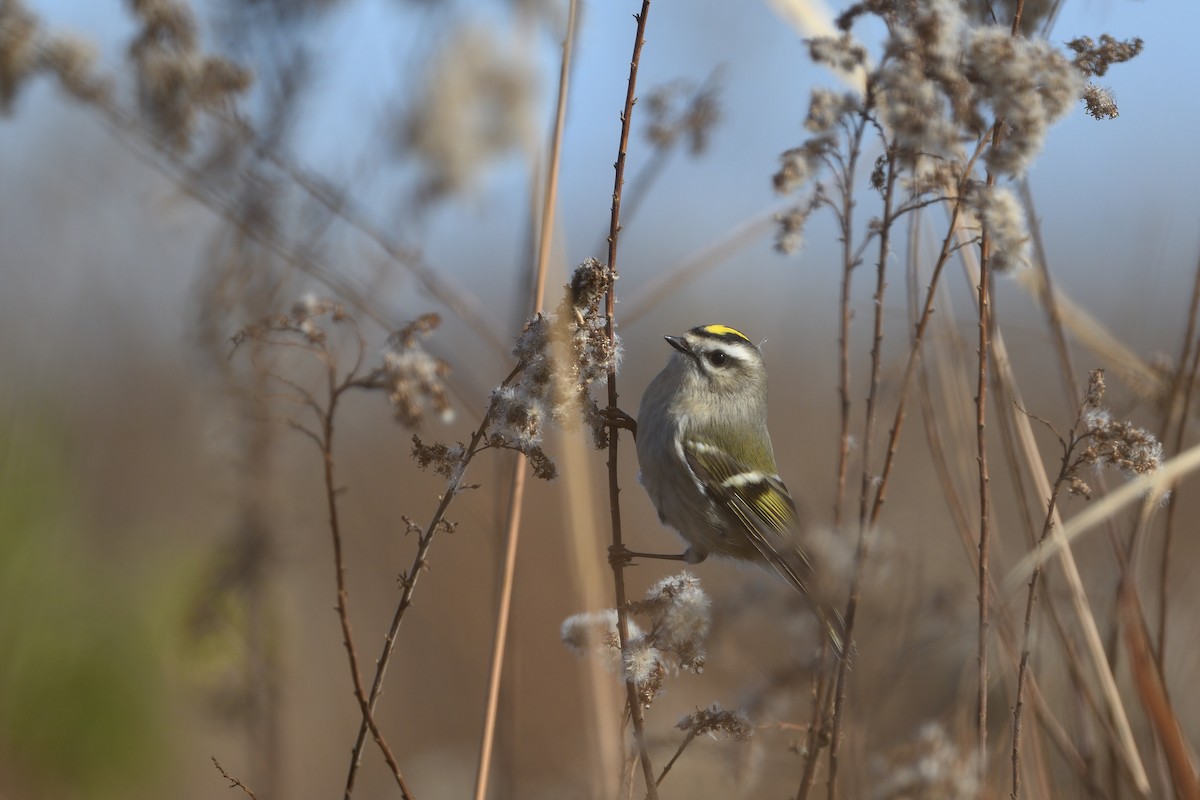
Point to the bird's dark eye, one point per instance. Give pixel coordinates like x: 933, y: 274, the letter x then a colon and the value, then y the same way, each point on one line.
x: 717, y: 358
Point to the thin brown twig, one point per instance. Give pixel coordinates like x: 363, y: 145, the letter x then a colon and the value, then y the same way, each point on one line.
x: 1030, y: 601
x: 682, y: 746
x: 985, y: 494
x: 335, y: 392
x: 517, y: 490
x: 885, y: 241
x: 233, y: 782
x: 845, y: 217
x: 614, y: 486
x: 409, y: 583
x: 822, y: 699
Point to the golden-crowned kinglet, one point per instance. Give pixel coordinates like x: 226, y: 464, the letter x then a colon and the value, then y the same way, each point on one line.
x: 706, y: 457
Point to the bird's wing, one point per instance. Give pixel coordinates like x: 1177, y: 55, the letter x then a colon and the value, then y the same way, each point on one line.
x: 763, y: 505
x: 759, y: 501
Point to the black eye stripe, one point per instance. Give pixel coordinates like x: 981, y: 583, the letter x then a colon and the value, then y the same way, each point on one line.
x: 718, y: 358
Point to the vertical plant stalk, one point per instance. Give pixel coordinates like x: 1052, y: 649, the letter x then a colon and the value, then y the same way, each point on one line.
x: 885, y: 243
x: 614, y: 484
x: 822, y: 698
x: 845, y: 216
x: 517, y: 492
x: 985, y: 493
x: 1153, y: 694
x: 1183, y: 388
x: 1030, y: 601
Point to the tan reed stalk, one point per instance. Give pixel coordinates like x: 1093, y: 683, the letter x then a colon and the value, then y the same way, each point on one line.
x: 517, y: 489
x: 1183, y: 388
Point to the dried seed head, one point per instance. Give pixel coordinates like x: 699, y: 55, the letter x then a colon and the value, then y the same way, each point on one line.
x: 1120, y: 444
x: 413, y: 376
x: 715, y: 719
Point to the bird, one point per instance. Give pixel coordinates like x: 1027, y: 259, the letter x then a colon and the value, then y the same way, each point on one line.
x: 707, y: 463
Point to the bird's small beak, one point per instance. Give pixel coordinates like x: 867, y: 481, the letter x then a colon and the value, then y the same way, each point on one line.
x: 679, y: 343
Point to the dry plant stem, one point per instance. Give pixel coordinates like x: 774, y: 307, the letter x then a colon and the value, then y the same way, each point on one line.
x: 1153, y: 694
x: 885, y: 241
x: 1178, y: 407
x: 336, y: 391
x: 985, y: 494
x: 822, y: 697
x: 503, y: 612
x: 614, y: 484
x: 517, y: 493
x: 845, y: 216
x: 933, y: 434
x: 409, y: 582
x: 682, y: 746
x: 233, y: 782
x: 1031, y: 599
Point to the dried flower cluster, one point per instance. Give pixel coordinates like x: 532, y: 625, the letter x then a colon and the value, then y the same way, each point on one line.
x: 1093, y: 60
x: 942, y: 81
x: 413, y: 376
x: 308, y: 311
x: 449, y: 461
x: 1110, y: 443
x: 931, y: 768
x: 476, y: 105
x: 176, y: 80
x: 1121, y: 444
x: 590, y: 354
x: 715, y: 719
x: 304, y: 320
x: 678, y: 616
x: 26, y: 50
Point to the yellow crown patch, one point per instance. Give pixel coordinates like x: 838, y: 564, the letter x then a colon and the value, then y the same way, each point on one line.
x: 722, y: 332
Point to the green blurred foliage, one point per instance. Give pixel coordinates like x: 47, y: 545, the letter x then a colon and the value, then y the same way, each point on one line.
x: 81, y: 683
